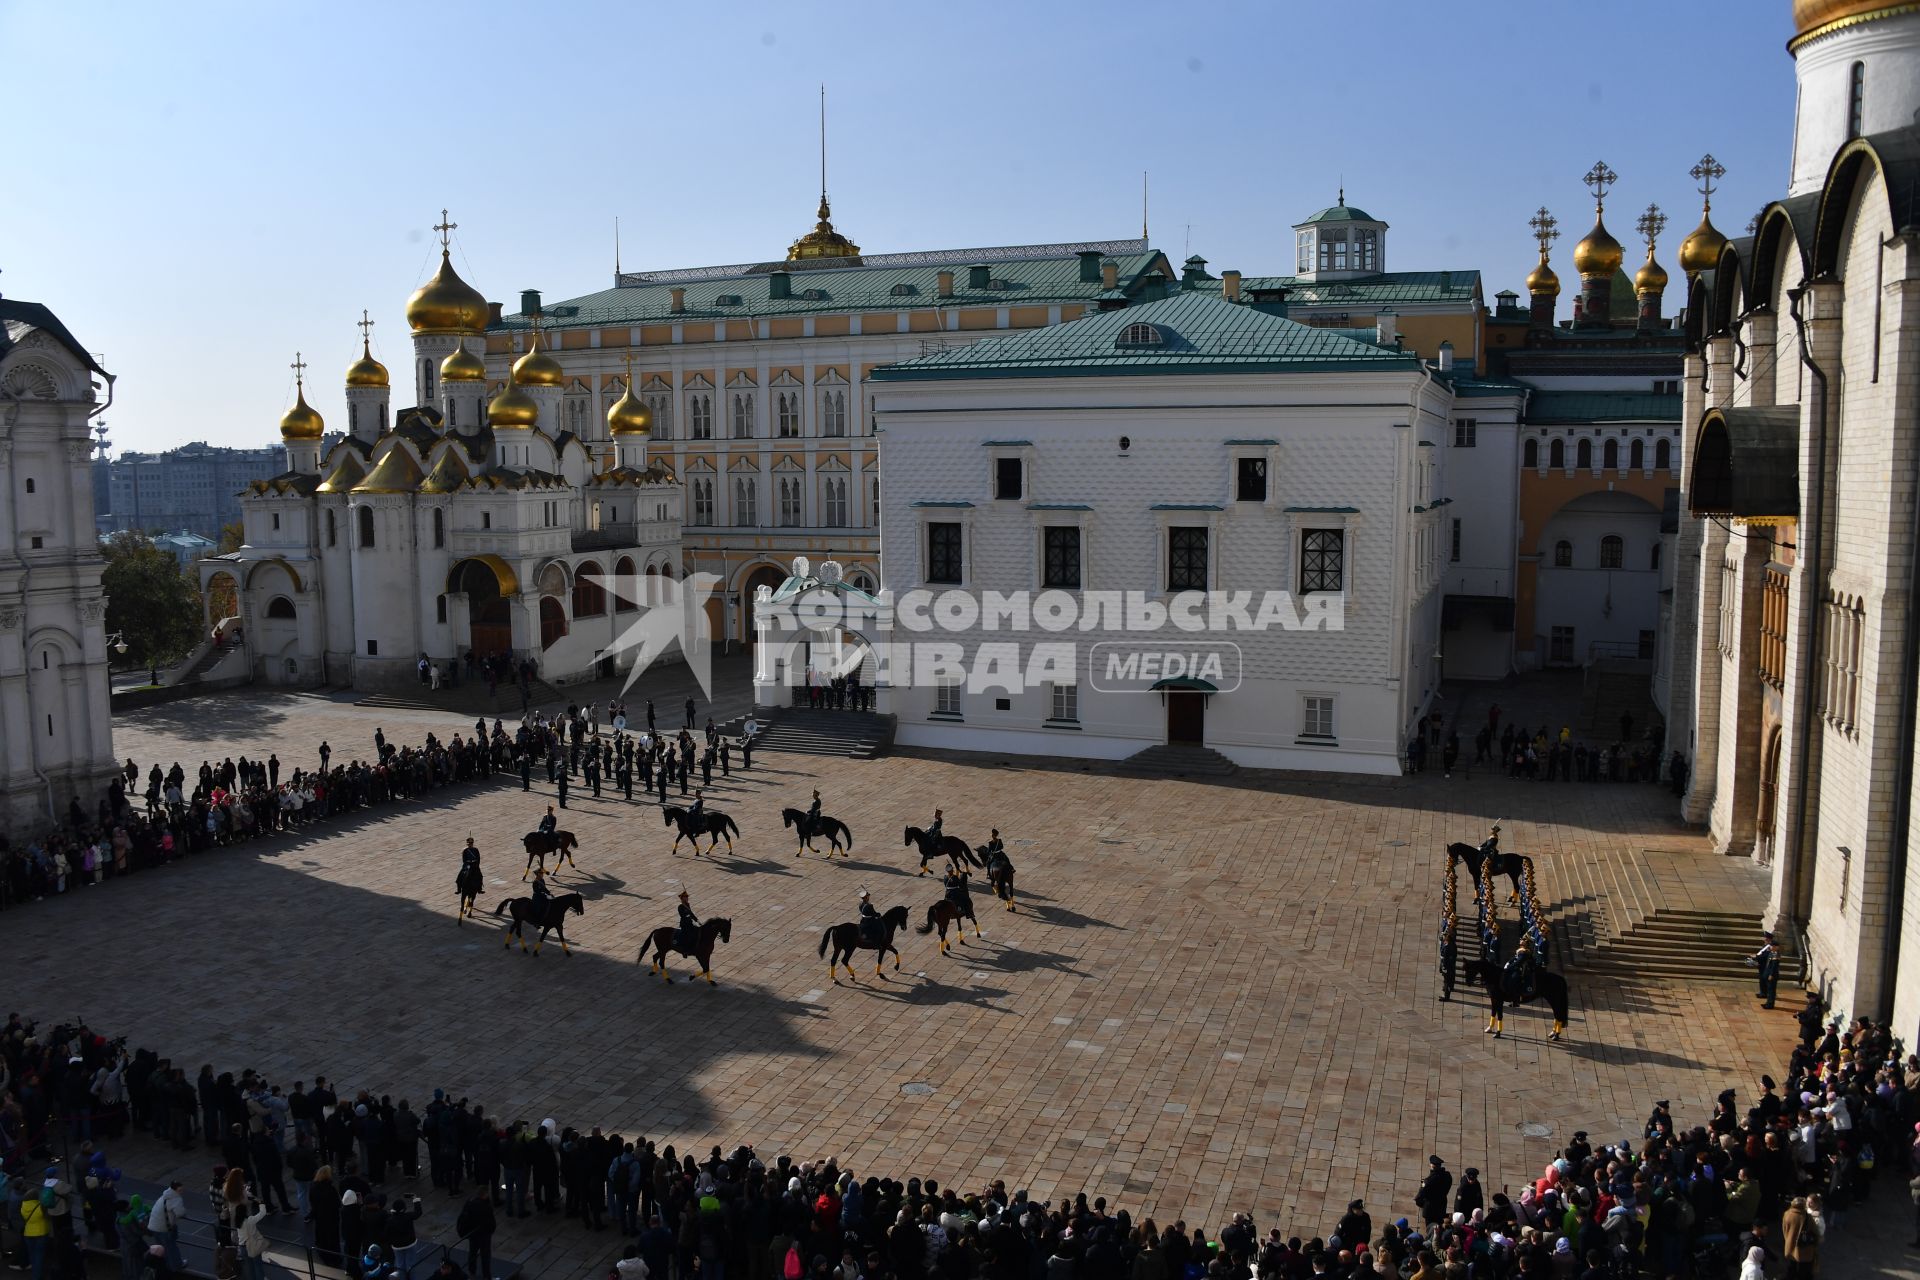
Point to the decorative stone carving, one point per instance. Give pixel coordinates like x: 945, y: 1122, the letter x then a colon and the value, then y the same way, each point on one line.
x: 30, y: 380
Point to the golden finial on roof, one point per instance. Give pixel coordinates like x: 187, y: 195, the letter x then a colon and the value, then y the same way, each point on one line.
x: 1598, y: 253
x: 366, y: 371
x: 1546, y: 229
x: 1700, y: 251
x: 537, y: 368
x: 302, y: 422
x: 446, y: 303
x: 1652, y: 277
x: 629, y: 415
x: 463, y: 366
x: 823, y: 241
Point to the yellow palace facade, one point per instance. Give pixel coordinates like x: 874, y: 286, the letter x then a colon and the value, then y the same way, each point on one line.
x: 755, y: 379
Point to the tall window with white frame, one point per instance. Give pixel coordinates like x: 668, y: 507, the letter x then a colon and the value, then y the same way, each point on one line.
x: 1063, y: 703
x: 790, y: 501
x: 1187, y: 558
x: 1316, y: 716
x: 834, y: 490
x: 660, y: 405
x: 1857, y: 100
x: 700, y: 411
x: 1250, y: 480
x: 1466, y: 433
x: 833, y: 413
x: 789, y: 407
x: 744, y: 507
x: 702, y: 501
x: 1323, y: 560
x: 944, y: 564
x: 1007, y: 476
x: 946, y: 699
x: 742, y: 416
x: 1303, y: 251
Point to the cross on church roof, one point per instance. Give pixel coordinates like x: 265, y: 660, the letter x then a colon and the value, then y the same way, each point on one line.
x: 299, y: 368
x: 365, y: 324
x: 444, y: 226
x: 1651, y: 224
x: 1598, y: 179
x: 1706, y: 173
x: 1546, y: 227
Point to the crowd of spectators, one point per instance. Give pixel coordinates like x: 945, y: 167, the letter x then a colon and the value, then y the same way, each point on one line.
x: 1754, y: 1191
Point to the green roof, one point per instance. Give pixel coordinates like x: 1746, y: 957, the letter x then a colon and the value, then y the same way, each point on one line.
x: 1602, y: 406
x: 1471, y: 386
x: 1379, y: 290
x: 1187, y: 333
x: 1042, y: 276
x: 1342, y: 212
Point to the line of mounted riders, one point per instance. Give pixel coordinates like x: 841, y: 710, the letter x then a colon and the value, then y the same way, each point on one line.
x: 696, y: 939
x: 1522, y: 977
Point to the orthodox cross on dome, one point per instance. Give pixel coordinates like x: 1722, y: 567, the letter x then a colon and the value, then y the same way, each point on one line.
x: 1598, y: 179
x: 627, y: 358
x: 299, y: 368
x: 1651, y: 224
x: 1706, y: 173
x: 445, y: 227
x: 365, y: 324
x: 1546, y: 228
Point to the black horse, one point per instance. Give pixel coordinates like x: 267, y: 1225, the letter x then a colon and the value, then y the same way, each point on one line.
x: 839, y: 838
x: 550, y: 918
x: 664, y: 941
x: 539, y: 844
x: 468, y: 884
x: 944, y: 913
x: 1511, y: 865
x: 846, y: 940
x: 1000, y: 877
x: 710, y: 823
x: 952, y: 848
x: 1550, y: 987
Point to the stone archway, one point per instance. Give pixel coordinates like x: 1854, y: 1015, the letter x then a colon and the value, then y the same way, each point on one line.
x: 489, y: 609
x: 767, y: 575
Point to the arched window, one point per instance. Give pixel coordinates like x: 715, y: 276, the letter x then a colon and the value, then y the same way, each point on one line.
x: 589, y: 596
x: 1857, y: 100
x: 1613, y: 551
x: 833, y: 413
x: 835, y: 492
x: 1662, y: 455
x: 789, y: 414
x: 1583, y: 454
x: 333, y: 528
x: 742, y: 417
x: 439, y: 527
x: 1637, y: 455
x: 623, y: 586
x: 1557, y: 453
x: 366, y: 526
x: 1140, y: 335
x: 1563, y: 554
x: 744, y: 512
x: 1610, y: 455
x: 700, y: 408
x: 353, y: 417
x: 1530, y: 453
x: 553, y: 622
x: 280, y: 607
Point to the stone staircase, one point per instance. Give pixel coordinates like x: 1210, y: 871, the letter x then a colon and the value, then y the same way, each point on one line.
x: 1180, y: 760
x: 1702, y: 946
x: 860, y: 735
x: 207, y: 661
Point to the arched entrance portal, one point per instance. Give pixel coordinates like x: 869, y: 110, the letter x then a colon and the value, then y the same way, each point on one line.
x: 1769, y: 797
x: 489, y: 609
x: 765, y: 575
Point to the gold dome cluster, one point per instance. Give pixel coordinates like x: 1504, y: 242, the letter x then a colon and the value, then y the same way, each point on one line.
x: 447, y: 304
x: 463, y: 366
x: 537, y: 368
x: 366, y: 371
x: 629, y: 415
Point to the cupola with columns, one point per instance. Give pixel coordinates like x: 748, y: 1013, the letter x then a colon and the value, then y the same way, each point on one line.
x: 513, y: 415
x: 630, y: 423
x: 368, y: 393
x: 442, y: 313
x: 463, y: 390
x: 302, y: 426
x: 1339, y: 242
x: 541, y: 378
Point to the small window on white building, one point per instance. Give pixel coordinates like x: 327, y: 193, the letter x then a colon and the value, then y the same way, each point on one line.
x: 1250, y: 480
x: 946, y: 700
x: 1316, y: 716
x: 1612, y: 551
x: 1007, y: 476
x: 1063, y: 703
x: 1323, y: 560
x: 1563, y: 554
x: 1466, y: 432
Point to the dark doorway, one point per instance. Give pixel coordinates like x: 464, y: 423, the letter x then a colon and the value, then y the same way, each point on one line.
x: 489, y: 615
x: 1186, y: 716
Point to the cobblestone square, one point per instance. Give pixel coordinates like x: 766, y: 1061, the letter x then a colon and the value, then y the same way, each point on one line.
x: 1215, y: 996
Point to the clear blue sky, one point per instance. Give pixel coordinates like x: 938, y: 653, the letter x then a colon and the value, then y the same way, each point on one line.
x: 199, y: 190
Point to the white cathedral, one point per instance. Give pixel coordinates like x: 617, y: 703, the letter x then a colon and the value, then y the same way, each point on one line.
x: 459, y: 525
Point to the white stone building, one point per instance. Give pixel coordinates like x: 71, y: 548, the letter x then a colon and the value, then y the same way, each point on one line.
x: 1796, y: 672
x: 1187, y: 445
x: 55, y: 736
x: 463, y: 524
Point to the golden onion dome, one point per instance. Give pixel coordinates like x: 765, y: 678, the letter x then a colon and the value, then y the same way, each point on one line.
x: 446, y: 304
x: 463, y: 366
x: 1811, y: 16
x: 1599, y: 254
x: 537, y: 368
x: 513, y: 408
x: 1700, y: 251
x: 823, y: 241
x: 629, y: 416
x: 366, y: 371
x: 1542, y: 280
x: 1651, y: 277
x: 302, y: 422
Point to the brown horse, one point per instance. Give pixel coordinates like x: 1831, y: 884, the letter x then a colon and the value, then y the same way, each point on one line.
x: 550, y: 918
x: 944, y: 913
x: 468, y: 884
x: 952, y: 848
x: 539, y: 844
x: 846, y: 940
x: 665, y: 941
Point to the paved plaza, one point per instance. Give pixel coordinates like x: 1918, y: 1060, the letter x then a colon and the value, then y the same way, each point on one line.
x: 1215, y: 996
